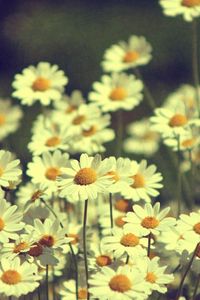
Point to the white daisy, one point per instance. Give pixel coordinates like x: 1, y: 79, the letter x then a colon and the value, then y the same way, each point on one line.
x: 68, y: 291
x: 17, y: 278
x: 85, y: 179
x: 146, y: 182
x: 99, y: 257
x: 44, y: 83
x: 190, y: 223
x: 44, y: 170
x: 186, y: 142
x: 190, y: 9
x: 9, y: 169
x: 123, y: 56
x: 68, y: 104
x: 74, y: 231
x: 118, y: 91
x: 9, y: 118
x: 149, y: 219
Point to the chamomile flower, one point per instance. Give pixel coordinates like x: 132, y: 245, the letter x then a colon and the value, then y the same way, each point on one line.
x: 84, y: 179
x: 99, y: 257
x: 190, y: 223
x: 45, y: 169
x: 149, y: 219
x: 9, y: 118
x: 44, y: 83
x: 17, y: 278
x: 126, y: 55
x: 10, y: 221
x: 73, y: 231
x: 117, y: 91
x: 68, y: 291
x: 124, y: 284
x: 142, y: 139
x: 189, y: 9
x: 145, y: 184
x: 9, y: 168
x: 68, y: 104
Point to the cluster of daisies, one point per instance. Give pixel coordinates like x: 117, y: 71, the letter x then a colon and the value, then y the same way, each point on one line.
x: 86, y: 226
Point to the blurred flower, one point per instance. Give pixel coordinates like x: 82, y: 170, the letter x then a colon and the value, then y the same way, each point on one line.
x: 69, y: 104
x: 68, y: 291
x: 186, y: 142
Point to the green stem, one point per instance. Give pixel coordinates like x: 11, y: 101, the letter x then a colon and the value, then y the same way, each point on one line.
x: 119, y: 133
x: 196, y: 288
x: 111, y: 210
x: 179, y: 188
x: 47, y: 282
x: 127, y: 259
x: 195, y: 63
x: 149, y: 245
x: 85, y: 245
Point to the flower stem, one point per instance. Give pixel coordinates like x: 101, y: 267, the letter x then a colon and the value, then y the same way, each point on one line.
x: 119, y: 133
x: 111, y: 210
x: 196, y: 288
x: 47, y: 282
x: 127, y: 259
x: 85, y: 246
x: 186, y: 272
x: 149, y: 245
x: 195, y: 63
x: 179, y: 181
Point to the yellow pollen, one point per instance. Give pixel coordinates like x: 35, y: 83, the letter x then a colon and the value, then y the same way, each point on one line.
x: 150, y: 222
x: 70, y: 109
x: 78, y: 120
x: 191, y: 3
x: 2, y: 224
x: 103, y: 260
x: 119, y: 222
x: 52, y: 173
x: 2, y: 119
x: 114, y: 175
x: 21, y: 246
x: 151, y: 277
x: 129, y: 240
x: 120, y: 283
x: 36, y: 195
x: 41, y: 84
x: 85, y: 176
x: 47, y: 240
x: 53, y: 141
x: 122, y: 205
x: 89, y: 132
x: 118, y: 94
x: 35, y: 250
x: 178, y: 120
x: 139, y: 181
x: 75, y: 238
x: 188, y: 143
x: 11, y: 277
x: 196, y: 228
x: 1, y: 171
x: 82, y: 294
x: 131, y: 56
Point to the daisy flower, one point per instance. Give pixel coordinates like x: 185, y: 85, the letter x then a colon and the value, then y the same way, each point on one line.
x: 126, y: 55
x: 85, y: 179
x: 190, y: 223
x: 44, y: 170
x: 154, y: 274
x: 10, y: 221
x: 124, y: 284
x: 68, y: 291
x: 69, y: 104
x: 44, y: 83
x: 149, y: 219
x: 189, y: 9
x: 17, y: 278
x: 99, y: 257
x: 117, y: 91
x: 9, y: 169
x: 9, y: 118
x: 74, y: 231
x: 145, y: 184
x: 124, y: 241
x: 142, y: 140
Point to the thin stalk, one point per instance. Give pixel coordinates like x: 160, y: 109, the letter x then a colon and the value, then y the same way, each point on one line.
x: 149, y: 245
x: 47, y: 282
x: 195, y: 63
x: 85, y: 245
x: 196, y: 288
x: 111, y: 210
x: 70, y: 246
x: 127, y: 259
x: 186, y: 272
x: 119, y: 133
x: 179, y: 183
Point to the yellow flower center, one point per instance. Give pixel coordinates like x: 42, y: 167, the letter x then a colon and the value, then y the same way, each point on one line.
x: 2, y: 224
x: 52, y: 173
x: 196, y: 228
x: 129, y: 240
x: 178, y: 120
x: 82, y: 294
x: 47, y: 240
x: 21, y: 246
x: 79, y: 120
x: 75, y: 238
x: 36, y: 195
x: 118, y: 94
x: 70, y: 109
x: 89, y: 132
x: 188, y: 143
x: 1, y: 171
x: 150, y: 222
x: 114, y: 175
x: 35, y: 250
x: 53, y: 141
x: 120, y: 283
x: 191, y: 3
x: 131, y: 56
x: 151, y: 277
x: 103, y: 260
x: 85, y: 176
x: 122, y: 205
x: 119, y: 222
x: 139, y: 181
x: 11, y: 277
x: 41, y: 84
x: 2, y: 119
